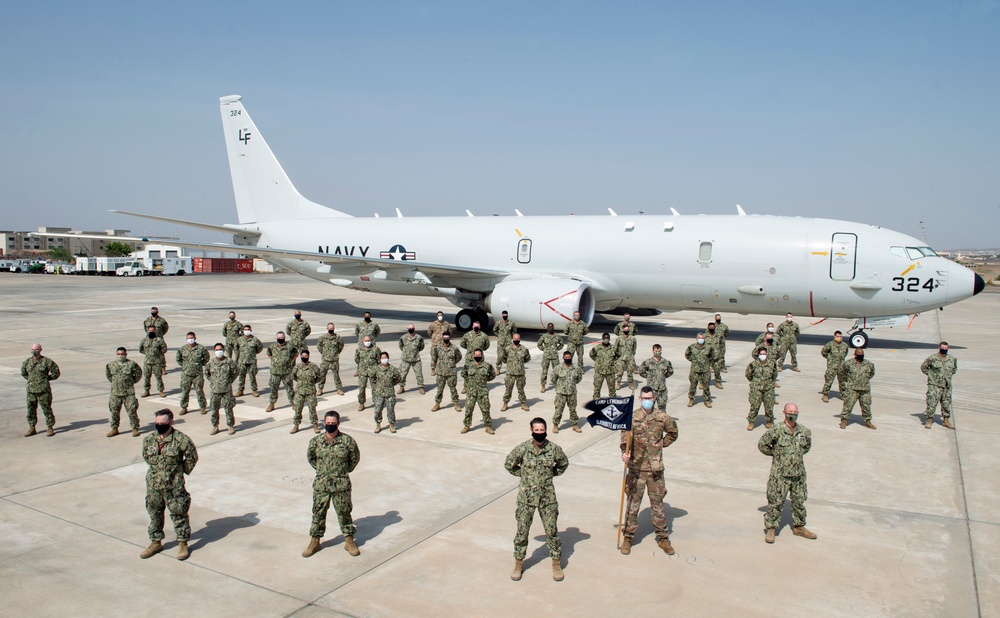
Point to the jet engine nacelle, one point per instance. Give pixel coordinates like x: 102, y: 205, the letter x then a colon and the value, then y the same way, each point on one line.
x: 533, y: 303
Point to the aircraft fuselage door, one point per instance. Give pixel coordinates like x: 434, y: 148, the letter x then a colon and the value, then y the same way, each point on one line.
x: 524, y: 250
x: 843, y: 252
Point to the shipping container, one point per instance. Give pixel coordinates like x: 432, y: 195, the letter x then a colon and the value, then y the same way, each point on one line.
x: 222, y: 265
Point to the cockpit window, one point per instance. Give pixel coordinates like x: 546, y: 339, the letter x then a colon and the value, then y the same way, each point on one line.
x: 914, y: 253
x: 898, y: 251
x: 927, y: 251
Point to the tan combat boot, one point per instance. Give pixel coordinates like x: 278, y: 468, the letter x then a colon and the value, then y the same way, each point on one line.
x: 718, y: 385
x: 769, y: 424
x: 269, y: 408
x: 557, y: 573
x: 437, y: 406
x: 392, y: 427
x: 524, y: 406
x: 378, y: 427
x: 319, y: 391
x: 314, y: 547
x: 803, y: 532
x: 239, y: 394
x: 113, y: 432
x: 690, y: 402
x: 31, y: 431
x: 490, y: 431
x: 826, y: 399
x: 340, y: 391
x: 135, y: 432
x: 215, y: 430
x: 518, y: 570
x: 295, y: 428
x: 361, y: 407
x: 182, y: 550
x: 422, y: 391
x: 458, y: 408
x: 750, y: 426
x: 465, y: 429
x: 626, y: 547
x: 555, y: 427
x: 928, y: 423
x: 666, y: 546
x: 145, y: 393
x: 255, y: 394
x: 350, y: 547
x: 463, y: 390
x: 401, y: 390
x: 503, y: 408
x: 49, y: 432
x: 576, y: 428
x: 708, y: 403
x: 204, y: 410
x: 183, y: 412
x: 231, y: 430
x: 870, y: 425
x: 154, y: 548
x: 769, y: 536
x: 795, y: 369
x: 946, y: 423
x: 843, y: 423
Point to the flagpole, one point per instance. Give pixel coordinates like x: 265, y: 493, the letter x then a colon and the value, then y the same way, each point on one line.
x: 621, y: 503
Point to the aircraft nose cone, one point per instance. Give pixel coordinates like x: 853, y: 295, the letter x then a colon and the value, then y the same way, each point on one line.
x: 978, y: 286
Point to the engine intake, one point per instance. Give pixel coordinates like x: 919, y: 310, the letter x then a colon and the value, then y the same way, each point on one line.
x: 533, y: 303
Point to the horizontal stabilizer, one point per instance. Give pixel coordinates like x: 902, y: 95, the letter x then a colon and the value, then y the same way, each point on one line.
x: 225, y: 228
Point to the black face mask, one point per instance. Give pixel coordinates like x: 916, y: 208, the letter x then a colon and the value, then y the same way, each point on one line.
x: 282, y: 340
x: 478, y: 359
x: 409, y: 330
x: 151, y: 335
x: 446, y: 341
x: 162, y: 429
x: 298, y: 317
x: 518, y: 342
x: 476, y: 329
x: 329, y: 331
x: 859, y: 357
x: 368, y: 319
x: 153, y: 313
x: 331, y: 427
x: 718, y: 320
x: 305, y: 359
x: 539, y: 437
x: 943, y: 351
x: 568, y: 361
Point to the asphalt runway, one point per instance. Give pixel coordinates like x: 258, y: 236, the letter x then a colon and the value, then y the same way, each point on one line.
x: 908, y: 519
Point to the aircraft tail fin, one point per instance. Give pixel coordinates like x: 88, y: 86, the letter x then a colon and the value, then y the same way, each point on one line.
x: 262, y: 189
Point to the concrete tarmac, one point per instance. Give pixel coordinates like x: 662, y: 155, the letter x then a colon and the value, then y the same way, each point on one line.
x: 908, y: 519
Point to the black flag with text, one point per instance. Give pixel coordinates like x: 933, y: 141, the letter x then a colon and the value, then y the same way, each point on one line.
x: 611, y: 412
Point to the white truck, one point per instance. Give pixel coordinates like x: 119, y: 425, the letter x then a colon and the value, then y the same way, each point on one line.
x: 143, y: 266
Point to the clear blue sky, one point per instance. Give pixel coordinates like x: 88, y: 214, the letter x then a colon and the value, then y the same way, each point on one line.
x: 881, y: 112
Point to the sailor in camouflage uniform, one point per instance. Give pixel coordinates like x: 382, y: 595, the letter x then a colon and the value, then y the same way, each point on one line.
x: 605, y: 366
x: 504, y: 330
x: 624, y: 349
x: 537, y: 461
x: 411, y: 345
x: 384, y: 381
x: 367, y: 327
x: 714, y: 341
x: 366, y: 358
x: 159, y: 325
x: 476, y: 375
x: 701, y: 357
x: 516, y: 356
x: 39, y: 370
x: 282, y: 364
x: 334, y: 455
x: 834, y: 352
x: 247, y: 348
x: 565, y: 377
x: 298, y: 330
x: 192, y: 358
x: 656, y: 370
x: 642, y: 450
x: 330, y: 346
x: 855, y: 377
x: 939, y: 369
x: 231, y: 331
x: 475, y: 339
x: 786, y: 445
x: 761, y: 373
x: 723, y: 332
x: 551, y: 345
x: 221, y: 373
x: 170, y: 455
x: 788, y: 332
x: 445, y: 359
x: 155, y: 361
x: 575, y: 331
x: 123, y: 374
x: 305, y: 375
x: 626, y: 323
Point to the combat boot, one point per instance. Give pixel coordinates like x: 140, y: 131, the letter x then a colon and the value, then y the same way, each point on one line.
x: 543, y: 389
x: 750, y: 426
x: 239, y: 394
x: 795, y: 369
x: 401, y: 390
x: 135, y: 432
x: 392, y: 427
x: 340, y: 391
x: 182, y: 550
x: 803, y: 532
x: 163, y: 393
x: 50, y: 431
x: 458, y: 408
x: 204, y: 410
x: 724, y: 370
x: 518, y: 569
x: 576, y: 428
x: 708, y: 403
x: 690, y: 402
x: 113, y: 432
x: 490, y: 431
x: 870, y: 425
x: 378, y: 427
x: 946, y: 423
x: 31, y: 431
x: 295, y: 428
x: 524, y: 406
x: 769, y: 424
x: 437, y: 406
x: 465, y: 429
x: 665, y: 545
x: 350, y: 547
x: 503, y: 408
x: 154, y: 548
x: 319, y: 391
x: 843, y: 423
x: 314, y: 547
x: 769, y: 536
x: 463, y: 390
x: 145, y: 393
x: 422, y: 391
x: 231, y: 430
x: 269, y: 408
x: 718, y: 385
x: 183, y: 412
x: 826, y: 399
x: 316, y: 427
x: 255, y: 394
x: 626, y: 547
x: 557, y: 573
x: 361, y: 407
x: 215, y: 430
x: 555, y: 427
x: 928, y: 423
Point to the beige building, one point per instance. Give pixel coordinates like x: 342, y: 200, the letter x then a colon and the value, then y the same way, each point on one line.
x: 28, y: 244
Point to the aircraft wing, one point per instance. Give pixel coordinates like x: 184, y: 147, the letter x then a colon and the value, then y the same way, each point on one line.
x: 226, y: 229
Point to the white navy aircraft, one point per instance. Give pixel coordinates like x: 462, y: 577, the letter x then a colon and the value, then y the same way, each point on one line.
x: 542, y: 269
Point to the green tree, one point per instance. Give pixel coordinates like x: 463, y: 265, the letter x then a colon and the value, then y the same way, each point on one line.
x: 61, y: 254
x: 117, y: 249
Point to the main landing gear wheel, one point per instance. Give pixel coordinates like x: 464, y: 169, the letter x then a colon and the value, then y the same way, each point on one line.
x: 859, y: 339
x: 465, y: 318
